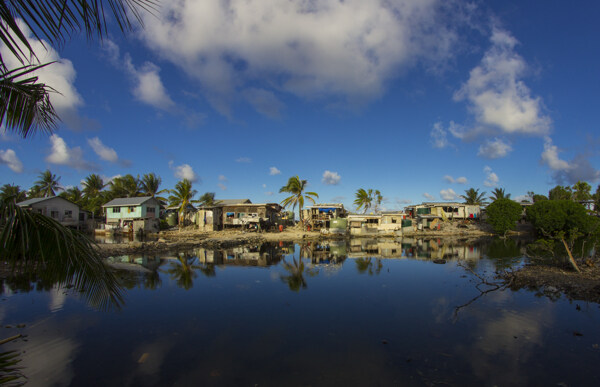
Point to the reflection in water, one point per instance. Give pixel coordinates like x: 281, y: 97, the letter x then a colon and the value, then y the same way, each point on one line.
x: 271, y: 315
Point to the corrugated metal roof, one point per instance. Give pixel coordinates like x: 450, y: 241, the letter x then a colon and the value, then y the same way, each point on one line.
x: 228, y: 202
x: 28, y: 202
x: 121, y: 202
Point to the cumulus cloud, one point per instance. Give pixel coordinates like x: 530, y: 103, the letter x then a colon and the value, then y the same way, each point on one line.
x: 60, y: 75
x: 245, y: 160
x: 347, y: 50
x: 61, y: 154
x: 269, y: 193
x: 448, y: 194
x: 331, y: 178
x: 274, y: 171
x: 428, y: 196
x: 9, y: 157
x: 494, y: 149
x: 496, y: 95
x: 439, y: 136
x: 264, y: 101
x: 222, y: 178
x: 104, y: 152
x: 458, y: 180
x: 569, y: 172
x: 147, y: 85
x: 222, y: 186
x: 491, y: 179
x: 184, y: 171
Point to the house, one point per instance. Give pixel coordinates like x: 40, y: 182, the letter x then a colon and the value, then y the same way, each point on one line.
x: 133, y: 213
x: 319, y: 216
x: 444, y: 210
x: 391, y: 221
x: 364, y: 224
x: 239, y: 213
x: 64, y: 211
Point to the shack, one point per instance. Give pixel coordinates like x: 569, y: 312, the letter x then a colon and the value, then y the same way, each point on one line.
x: 319, y: 216
x: 364, y: 224
x: 133, y: 214
x: 444, y: 210
x: 60, y: 209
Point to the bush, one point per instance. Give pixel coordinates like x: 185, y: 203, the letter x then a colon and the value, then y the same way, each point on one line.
x: 503, y: 215
x: 550, y: 217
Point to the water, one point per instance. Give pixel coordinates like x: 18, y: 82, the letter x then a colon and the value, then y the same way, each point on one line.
x: 366, y: 313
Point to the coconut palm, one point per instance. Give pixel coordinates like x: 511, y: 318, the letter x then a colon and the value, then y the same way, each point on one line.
x: 499, y: 193
x: 472, y: 196
x: 207, y: 199
x: 181, y: 197
x: 92, y: 186
x: 12, y: 191
x: 150, y: 186
x: 296, y: 186
x: 48, y: 184
x: 73, y: 194
x: 183, y: 271
x: 367, y: 199
x: 126, y: 186
x: 25, y: 106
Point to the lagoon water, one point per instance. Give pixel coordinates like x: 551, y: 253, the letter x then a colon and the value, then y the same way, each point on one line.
x: 358, y: 313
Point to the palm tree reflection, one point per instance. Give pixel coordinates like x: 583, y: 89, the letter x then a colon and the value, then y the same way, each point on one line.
x: 296, y: 269
x: 367, y: 265
x: 183, y: 271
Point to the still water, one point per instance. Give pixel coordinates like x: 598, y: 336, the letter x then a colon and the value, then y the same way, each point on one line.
x: 358, y: 313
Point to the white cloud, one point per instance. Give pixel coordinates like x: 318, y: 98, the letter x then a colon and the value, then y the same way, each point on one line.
x: 348, y: 50
x: 245, y: 160
x: 264, y: 101
x: 497, y: 97
x: 61, y: 154
x: 448, y: 194
x: 569, y: 172
x: 104, y: 152
x: 274, y: 171
x: 331, y: 178
x: 59, y: 75
x: 491, y: 179
x: 264, y: 186
x: 9, y: 157
x: 222, y: 186
x: 184, y: 171
x: 494, y: 149
x: 147, y: 85
x: 428, y: 196
x: 269, y: 193
x: 439, y: 136
x: 458, y: 180
x: 222, y: 178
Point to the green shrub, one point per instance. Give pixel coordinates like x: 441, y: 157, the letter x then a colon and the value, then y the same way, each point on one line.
x: 503, y: 215
x: 550, y: 217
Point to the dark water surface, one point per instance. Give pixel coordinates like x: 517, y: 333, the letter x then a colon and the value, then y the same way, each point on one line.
x: 363, y: 313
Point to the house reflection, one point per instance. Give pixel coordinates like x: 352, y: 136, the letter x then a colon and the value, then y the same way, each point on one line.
x: 265, y: 254
x: 325, y: 252
x: 420, y: 249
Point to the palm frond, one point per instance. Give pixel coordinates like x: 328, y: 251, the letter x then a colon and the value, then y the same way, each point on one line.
x: 32, y: 242
x: 24, y: 103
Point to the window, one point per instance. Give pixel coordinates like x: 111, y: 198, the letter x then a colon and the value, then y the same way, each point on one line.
x: 131, y: 209
x: 116, y: 210
x: 68, y: 213
x: 150, y: 210
x: 393, y: 220
x: 54, y: 214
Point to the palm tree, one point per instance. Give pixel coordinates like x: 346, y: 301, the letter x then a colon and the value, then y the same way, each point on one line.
x: 473, y: 197
x: 181, y: 197
x: 25, y: 106
x: 48, y: 184
x: 184, y: 271
x: 92, y: 186
x: 126, y: 186
x: 296, y: 186
x: 499, y: 193
x: 365, y: 199
x: 73, y: 194
x: 150, y: 185
x: 207, y: 199
x: 12, y: 191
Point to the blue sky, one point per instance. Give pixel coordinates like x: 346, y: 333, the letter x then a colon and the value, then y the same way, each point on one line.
x: 420, y: 99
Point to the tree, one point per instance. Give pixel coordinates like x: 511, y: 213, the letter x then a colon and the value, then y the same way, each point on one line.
x: 597, y: 199
x: 366, y: 199
x: 295, y: 186
x: 473, y: 197
x: 207, y: 199
x: 503, y: 215
x: 181, y: 197
x: 560, y: 193
x: 48, y: 184
x: 25, y: 106
x: 126, y: 186
x: 12, y: 191
x: 581, y: 191
x: 93, y: 186
x: 499, y: 193
x: 150, y: 186
x: 539, y: 198
x: 73, y: 194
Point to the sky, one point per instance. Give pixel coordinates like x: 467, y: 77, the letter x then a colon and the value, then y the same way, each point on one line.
x: 421, y: 99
